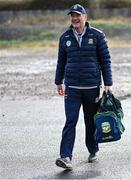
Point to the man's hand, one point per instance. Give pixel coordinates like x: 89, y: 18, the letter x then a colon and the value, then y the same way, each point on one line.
x: 108, y: 88
x: 60, y: 90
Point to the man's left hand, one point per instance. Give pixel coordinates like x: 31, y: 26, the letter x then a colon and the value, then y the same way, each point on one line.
x: 108, y: 88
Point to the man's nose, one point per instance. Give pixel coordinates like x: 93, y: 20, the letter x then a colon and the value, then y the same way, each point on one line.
x: 75, y: 17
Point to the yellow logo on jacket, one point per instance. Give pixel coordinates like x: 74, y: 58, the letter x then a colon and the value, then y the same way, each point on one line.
x: 90, y: 41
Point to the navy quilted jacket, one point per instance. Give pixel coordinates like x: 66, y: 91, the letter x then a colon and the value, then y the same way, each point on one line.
x: 83, y: 66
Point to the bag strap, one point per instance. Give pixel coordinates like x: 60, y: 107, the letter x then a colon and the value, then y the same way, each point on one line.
x: 103, y: 101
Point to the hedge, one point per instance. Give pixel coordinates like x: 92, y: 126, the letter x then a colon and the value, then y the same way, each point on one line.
x: 61, y: 4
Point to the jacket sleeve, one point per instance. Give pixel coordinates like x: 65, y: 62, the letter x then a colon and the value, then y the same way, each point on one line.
x: 104, y: 59
x: 61, y: 62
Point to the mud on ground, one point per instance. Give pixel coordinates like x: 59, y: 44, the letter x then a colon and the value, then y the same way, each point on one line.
x: 27, y: 73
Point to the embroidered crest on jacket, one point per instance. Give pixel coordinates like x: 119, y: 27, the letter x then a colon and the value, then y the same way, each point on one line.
x: 68, y: 43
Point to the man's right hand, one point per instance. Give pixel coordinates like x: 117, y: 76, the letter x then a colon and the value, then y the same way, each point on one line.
x: 60, y: 90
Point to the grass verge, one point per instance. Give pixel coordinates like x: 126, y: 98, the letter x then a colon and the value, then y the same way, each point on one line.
x: 53, y: 44
x: 46, y: 37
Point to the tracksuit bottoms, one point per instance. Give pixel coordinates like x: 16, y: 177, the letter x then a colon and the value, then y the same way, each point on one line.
x: 74, y: 98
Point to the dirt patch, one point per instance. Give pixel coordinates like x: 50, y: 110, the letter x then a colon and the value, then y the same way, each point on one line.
x: 30, y: 74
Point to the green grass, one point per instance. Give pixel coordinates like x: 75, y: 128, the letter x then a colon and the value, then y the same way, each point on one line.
x: 9, y: 44
x: 117, y: 28
x: 37, y: 45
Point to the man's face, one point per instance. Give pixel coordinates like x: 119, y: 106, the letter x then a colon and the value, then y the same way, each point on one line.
x: 78, y: 20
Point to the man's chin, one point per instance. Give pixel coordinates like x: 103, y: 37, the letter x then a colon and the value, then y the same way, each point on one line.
x: 76, y: 26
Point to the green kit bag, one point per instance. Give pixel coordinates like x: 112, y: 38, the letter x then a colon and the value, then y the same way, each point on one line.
x: 108, y: 119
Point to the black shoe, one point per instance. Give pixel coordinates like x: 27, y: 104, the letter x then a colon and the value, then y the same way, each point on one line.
x: 64, y: 163
x: 92, y: 157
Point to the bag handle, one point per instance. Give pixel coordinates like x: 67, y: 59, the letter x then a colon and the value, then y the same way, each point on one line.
x: 107, y: 96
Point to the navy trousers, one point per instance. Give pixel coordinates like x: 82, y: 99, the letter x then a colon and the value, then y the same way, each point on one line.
x: 74, y: 98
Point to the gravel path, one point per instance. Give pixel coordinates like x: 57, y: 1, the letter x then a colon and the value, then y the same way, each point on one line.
x: 30, y: 74
x: 31, y: 120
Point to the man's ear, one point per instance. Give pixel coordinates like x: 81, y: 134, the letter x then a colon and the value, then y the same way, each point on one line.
x: 86, y: 17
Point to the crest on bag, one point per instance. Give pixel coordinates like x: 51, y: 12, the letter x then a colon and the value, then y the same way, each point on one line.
x: 106, y: 127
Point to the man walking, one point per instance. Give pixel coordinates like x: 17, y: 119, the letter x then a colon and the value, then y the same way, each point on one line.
x: 83, y: 58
